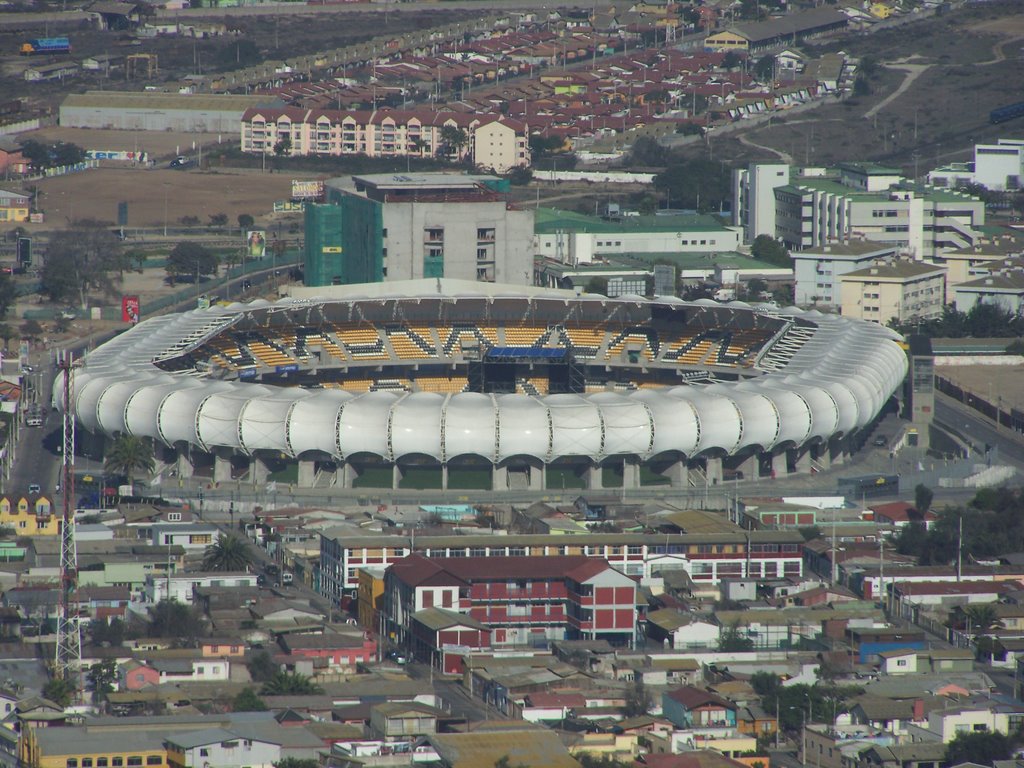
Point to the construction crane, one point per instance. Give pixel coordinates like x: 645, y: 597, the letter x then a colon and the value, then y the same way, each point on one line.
x: 68, y: 661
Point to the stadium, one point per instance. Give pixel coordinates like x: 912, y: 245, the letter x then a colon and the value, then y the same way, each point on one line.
x: 444, y: 384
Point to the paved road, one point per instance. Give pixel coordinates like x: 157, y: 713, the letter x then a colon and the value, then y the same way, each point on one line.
x: 968, y: 423
x: 36, y: 460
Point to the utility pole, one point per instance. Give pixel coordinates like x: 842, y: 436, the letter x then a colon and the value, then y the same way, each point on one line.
x: 68, y: 660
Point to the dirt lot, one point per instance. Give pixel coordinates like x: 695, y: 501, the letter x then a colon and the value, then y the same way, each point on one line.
x: 970, y: 58
x: 988, y: 381
x: 96, y: 193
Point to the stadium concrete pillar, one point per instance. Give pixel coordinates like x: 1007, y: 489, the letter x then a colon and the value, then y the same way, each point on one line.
x: 221, y: 467
x: 836, y: 450
x: 594, y: 476
x: 499, y: 477
x: 536, y: 482
x: 713, y: 468
x: 258, y: 470
x: 803, y: 460
x: 750, y: 467
x: 307, y: 473
x: 678, y: 474
x: 630, y: 473
x: 444, y: 476
x: 184, y: 463
x: 396, y: 475
x: 348, y: 475
x: 778, y: 463
x: 822, y: 457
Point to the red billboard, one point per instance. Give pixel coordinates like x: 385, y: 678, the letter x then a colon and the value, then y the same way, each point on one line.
x: 130, y: 309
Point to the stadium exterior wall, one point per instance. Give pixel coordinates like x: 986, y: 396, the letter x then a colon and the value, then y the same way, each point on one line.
x: 837, y: 383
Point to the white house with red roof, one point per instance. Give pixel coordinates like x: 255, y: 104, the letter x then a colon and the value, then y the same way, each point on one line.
x: 900, y: 514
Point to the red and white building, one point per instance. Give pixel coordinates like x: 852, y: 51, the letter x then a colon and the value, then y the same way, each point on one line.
x: 706, y: 558
x: 521, y: 600
x: 336, y: 650
x: 491, y: 141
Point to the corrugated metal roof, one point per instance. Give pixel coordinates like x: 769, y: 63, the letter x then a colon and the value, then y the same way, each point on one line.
x: 535, y: 748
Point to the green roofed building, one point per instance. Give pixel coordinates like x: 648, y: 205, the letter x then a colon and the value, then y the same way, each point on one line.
x: 576, y: 238
x: 813, y: 207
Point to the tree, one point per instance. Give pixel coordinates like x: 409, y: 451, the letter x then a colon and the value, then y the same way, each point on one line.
x: 698, y: 183
x: 248, y: 701
x: 638, y: 698
x: 597, y: 285
x: 59, y: 691
x: 189, y: 259
x: 8, y: 293
x: 984, y: 747
x: 104, y: 633
x: 245, y: 221
x: 170, y: 619
x: 731, y: 639
x: 731, y: 60
x: 767, y: 248
x: 37, y: 154
x: 218, y: 219
x: 7, y: 333
x: 228, y: 553
x: 41, y: 156
x: 765, y: 68
x: 453, y: 139
x: 65, y: 153
x: 31, y: 330
x: 80, y: 260
x: 262, y: 667
x: 520, y: 176
x: 290, y: 684
x: 283, y: 147
x: 923, y: 498
x: 102, y: 675
x: 128, y: 455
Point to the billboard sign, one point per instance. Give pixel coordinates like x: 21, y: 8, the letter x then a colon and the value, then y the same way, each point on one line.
x: 304, y: 189
x: 130, y: 309
x: 256, y: 242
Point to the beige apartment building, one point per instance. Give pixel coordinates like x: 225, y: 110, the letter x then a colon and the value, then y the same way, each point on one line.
x: 492, y: 142
x: 901, y: 290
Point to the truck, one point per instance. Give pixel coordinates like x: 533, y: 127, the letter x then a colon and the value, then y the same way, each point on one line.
x: 43, y: 46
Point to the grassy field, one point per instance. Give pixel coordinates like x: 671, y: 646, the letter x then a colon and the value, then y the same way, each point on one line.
x: 971, y: 63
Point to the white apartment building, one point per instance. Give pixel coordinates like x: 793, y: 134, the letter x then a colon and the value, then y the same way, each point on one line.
x: 998, y: 167
x: 966, y: 264
x: 1003, y: 287
x: 820, y: 206
x: 754, y: 199
x: 817, y: 271
x: 902, y: 290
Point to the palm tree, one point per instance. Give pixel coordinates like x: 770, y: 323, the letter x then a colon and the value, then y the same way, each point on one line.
x: 228, y: 553
x: 129, y: 454
x: 290, y: 684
